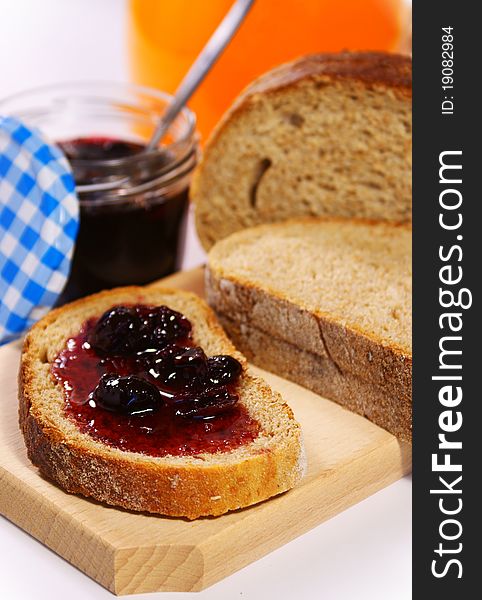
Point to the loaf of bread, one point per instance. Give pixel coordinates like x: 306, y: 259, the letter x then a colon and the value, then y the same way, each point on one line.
x: 327, y: 304
x: 328, y: 134
x: 181, y: 486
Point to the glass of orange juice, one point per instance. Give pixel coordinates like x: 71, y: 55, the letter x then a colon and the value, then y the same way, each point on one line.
x: 166, y: 36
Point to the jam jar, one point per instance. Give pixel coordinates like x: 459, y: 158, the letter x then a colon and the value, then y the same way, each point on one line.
x: 133, y: 203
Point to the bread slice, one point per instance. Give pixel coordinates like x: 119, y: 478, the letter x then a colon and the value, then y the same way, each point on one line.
x: 327, y: 134
x: 180, y: 486
x: 327, y: 304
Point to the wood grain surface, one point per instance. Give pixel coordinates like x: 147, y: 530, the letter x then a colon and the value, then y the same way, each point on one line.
x: 349, y: 458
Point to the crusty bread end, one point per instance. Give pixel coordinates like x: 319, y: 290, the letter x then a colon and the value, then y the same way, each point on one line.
x: 323, y: 135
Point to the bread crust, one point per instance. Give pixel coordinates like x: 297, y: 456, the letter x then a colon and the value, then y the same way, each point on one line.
x: 373, y: 69
x: 348, y: 348
x: 342, y: 362
x: 175, y: 486
x: 369, y: 68
x: 381, y: 404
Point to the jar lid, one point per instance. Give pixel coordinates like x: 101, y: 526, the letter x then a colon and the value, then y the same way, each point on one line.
x: 39, y: 220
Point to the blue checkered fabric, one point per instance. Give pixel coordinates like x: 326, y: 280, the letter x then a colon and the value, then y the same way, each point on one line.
x: 39, y: 218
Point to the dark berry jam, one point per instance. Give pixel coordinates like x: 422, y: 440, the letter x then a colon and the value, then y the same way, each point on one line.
x: 98, y: 148
x: 126, y: 237
x: 135, y: 380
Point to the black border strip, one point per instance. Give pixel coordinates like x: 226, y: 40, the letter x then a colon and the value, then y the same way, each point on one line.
x: 439, y: 536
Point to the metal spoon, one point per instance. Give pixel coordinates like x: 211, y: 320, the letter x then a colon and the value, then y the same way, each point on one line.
x: 201, y: 66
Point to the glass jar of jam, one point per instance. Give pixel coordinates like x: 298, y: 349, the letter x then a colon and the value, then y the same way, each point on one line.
x: 133, y: 203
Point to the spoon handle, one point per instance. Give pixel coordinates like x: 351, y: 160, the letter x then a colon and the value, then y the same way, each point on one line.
x: 201, y: 66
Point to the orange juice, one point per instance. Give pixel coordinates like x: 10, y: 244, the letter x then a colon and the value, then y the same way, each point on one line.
x: 166, y: 36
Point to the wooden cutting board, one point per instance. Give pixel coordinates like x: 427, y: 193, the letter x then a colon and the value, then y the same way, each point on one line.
x: 348, y: 459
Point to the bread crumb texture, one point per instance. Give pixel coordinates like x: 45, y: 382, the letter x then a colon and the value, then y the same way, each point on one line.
x: 326, y: 303
x: 328, y: 134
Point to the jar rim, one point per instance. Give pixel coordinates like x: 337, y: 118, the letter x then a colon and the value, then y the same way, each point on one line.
x: 188, y: 114
x: 101, y: 90
x: 128, y: 195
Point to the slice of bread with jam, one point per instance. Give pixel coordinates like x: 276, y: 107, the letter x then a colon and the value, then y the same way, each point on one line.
x: 135, y: 397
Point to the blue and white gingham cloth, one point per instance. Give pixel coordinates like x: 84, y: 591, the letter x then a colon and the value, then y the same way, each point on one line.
x: 39, y: 219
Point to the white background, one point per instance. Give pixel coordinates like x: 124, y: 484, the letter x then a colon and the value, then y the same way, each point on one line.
x: 363, y: 553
